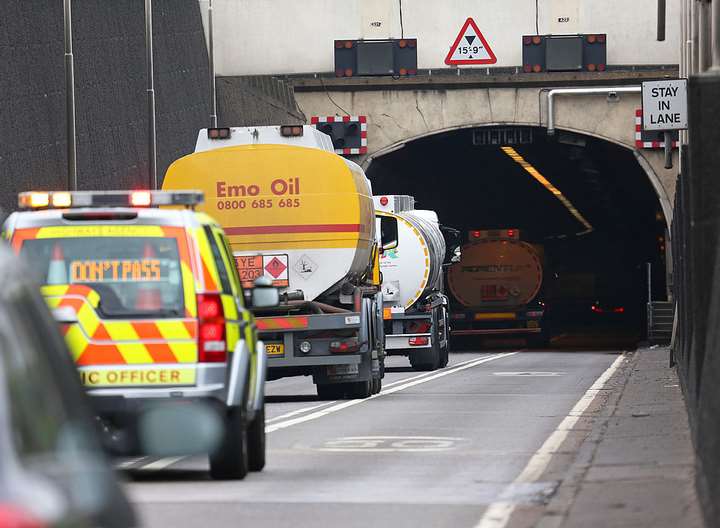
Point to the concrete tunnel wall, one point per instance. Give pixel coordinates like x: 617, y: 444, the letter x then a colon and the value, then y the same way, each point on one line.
x: 396, y: 117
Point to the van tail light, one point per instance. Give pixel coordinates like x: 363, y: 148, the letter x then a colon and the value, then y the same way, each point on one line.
x: 212, y: 344
x: 345, y: 345
x: 15, y: 517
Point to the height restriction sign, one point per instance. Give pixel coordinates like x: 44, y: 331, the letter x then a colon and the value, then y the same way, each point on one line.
x: 470, y: 47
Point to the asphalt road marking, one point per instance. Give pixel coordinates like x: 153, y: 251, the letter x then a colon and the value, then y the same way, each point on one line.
x: 162, y: 463
x: 531, y: 373
x: 127, y: 463
x: 386, y: 444
x: 390, y: 390
x: 385, y: 387
x: 498, y: 513
x: 298, y: 411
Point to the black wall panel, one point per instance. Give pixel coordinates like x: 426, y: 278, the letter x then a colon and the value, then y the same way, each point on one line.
x: 109, y: 48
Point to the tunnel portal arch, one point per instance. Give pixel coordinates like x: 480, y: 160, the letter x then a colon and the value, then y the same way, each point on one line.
x: 647, y: 165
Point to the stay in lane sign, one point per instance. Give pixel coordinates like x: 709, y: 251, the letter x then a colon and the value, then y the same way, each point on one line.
x: 665, y: 105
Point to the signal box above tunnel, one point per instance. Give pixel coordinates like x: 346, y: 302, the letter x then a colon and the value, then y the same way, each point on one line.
x: 560, y: 53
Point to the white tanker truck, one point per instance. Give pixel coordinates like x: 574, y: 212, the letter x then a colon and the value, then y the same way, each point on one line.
x: 415, y: 308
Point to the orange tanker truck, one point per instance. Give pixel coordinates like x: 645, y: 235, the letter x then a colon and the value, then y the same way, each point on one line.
x: 496, y: 286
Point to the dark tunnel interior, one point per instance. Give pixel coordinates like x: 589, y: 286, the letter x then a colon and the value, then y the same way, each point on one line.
x: 599, y: 254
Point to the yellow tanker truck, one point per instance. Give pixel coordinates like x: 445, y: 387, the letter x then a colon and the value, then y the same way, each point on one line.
x: 301, y: 217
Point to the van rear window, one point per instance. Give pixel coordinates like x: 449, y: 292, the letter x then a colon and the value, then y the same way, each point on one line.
x: 134, y: 276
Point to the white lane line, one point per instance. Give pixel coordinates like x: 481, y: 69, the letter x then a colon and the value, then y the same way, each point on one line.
x: 388, y: 389
x: 498, y: 513
x: 385, y: 392
x: 385, y: 387
x: 298, y: 411
x: 424, y: 374
x: 162, y: 463
x: 127, y: 463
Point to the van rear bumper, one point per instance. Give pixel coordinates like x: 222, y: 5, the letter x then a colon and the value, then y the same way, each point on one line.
x: 210, y: 382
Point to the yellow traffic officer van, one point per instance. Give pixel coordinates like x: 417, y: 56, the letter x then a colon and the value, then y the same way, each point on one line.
x: 153, y: 311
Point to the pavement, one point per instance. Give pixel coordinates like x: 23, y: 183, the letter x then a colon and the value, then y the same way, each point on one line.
x: 505, y: 438
x: 637, y: 465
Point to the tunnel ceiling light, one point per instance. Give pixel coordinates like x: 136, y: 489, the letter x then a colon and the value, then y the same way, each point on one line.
x: 517, y: 158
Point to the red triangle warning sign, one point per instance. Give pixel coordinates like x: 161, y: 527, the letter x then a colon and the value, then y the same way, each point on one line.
x: 470, y: 47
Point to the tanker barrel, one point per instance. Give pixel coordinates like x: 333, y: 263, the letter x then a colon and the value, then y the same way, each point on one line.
x: 416, y: 267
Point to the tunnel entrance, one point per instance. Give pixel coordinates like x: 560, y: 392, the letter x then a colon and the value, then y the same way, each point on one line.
x: 585, y: 201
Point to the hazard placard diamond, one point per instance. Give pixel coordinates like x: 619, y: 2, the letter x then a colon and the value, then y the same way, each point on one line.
x: 275, y: 267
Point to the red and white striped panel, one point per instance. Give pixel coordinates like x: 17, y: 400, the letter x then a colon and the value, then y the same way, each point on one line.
x: 314, y: 120
x: 639, y: 143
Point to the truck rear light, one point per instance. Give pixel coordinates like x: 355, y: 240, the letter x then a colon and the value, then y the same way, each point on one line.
x: 219, y: 133
x: 419, y: 341
x: 418, y: 327
x: 619, y: 309
x: 291, y: 130
x: 212, y: 343
x: 345, y: 345
x: 535, y: 314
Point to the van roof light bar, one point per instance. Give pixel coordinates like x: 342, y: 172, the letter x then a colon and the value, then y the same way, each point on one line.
x: 35, y: 200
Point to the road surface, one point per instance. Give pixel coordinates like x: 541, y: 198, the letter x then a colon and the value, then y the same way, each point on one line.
x: 433, y: 449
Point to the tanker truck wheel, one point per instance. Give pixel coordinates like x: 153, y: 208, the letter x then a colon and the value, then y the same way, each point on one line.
x: 359, y: 389
x: 430, y: 360
x: 445, y: 354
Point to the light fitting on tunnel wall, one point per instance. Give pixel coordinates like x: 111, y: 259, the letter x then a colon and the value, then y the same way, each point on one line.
x: 517, y: 158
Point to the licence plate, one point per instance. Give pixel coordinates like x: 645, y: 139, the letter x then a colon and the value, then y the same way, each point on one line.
x: 275, y: 349
x: 533, y: 324
x: 342, y: 370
